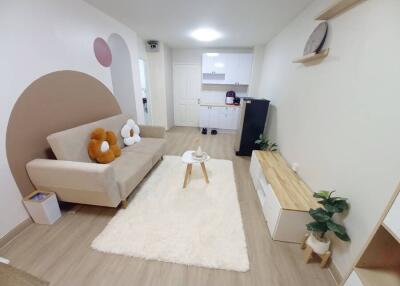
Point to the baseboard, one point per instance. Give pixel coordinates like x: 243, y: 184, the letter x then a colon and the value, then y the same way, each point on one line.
x: 15, y: 231
x: 335, y: 273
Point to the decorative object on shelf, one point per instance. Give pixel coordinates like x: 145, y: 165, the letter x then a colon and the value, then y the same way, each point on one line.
x: 317, y: 39
x: 313, y: 49
x: 266, y: 144
x: 316, y: 241
x: 336, y: 8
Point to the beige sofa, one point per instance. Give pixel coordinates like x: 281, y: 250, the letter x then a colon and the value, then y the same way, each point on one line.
x: 75, y: 178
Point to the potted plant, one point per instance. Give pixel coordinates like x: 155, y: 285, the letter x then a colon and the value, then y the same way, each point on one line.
x: 265, y: 144
x: 324, y: 223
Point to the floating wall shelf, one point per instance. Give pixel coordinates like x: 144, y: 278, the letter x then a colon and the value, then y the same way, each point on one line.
x: 336, y: 8
x: 312, y: 57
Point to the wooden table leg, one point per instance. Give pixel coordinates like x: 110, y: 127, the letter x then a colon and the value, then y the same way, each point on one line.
x: 325, y: 258
x: 308, y: 253
x: 304, y: 243
x: 203, y: 167
x: 187, y: 174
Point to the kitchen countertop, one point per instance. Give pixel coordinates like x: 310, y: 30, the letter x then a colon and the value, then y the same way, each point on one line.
x: 218, y: 105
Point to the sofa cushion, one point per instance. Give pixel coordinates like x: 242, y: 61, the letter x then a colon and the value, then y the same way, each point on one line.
x: 130, y: 169
x: 152, y: 146
x: 71, y: 144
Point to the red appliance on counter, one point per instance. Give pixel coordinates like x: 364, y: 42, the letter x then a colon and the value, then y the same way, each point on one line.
x: 230, y: 97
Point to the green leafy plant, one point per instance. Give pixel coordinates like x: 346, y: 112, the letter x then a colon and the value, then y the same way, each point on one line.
x: 265, y: 144
x: 323, y: 216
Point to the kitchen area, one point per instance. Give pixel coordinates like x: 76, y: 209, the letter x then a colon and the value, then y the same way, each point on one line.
x: 208, y: 86
x: 220, y: 107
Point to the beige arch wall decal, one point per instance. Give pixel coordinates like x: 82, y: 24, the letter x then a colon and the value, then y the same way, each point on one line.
x: 54, y: 102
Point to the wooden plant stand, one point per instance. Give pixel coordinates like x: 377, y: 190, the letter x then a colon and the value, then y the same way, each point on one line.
x: 308, y: 253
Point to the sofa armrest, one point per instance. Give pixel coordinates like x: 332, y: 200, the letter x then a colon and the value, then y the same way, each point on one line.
x: 79, y: 182
x: 152, y: 131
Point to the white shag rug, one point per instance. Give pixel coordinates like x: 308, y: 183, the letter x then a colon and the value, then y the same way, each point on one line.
x: 200, y: 225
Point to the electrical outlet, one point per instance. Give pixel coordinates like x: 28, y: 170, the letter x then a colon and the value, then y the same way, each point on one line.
x: 295, y: 166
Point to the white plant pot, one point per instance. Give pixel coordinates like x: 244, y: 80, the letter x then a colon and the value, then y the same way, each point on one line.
x: 319, y: 247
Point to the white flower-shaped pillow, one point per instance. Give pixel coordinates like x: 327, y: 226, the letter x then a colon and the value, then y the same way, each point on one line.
x: 130, y: 132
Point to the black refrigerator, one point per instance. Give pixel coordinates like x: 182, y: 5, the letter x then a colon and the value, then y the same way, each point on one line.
x: 253, y: 117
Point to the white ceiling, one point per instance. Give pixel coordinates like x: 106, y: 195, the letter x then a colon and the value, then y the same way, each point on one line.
x: 243, y: 23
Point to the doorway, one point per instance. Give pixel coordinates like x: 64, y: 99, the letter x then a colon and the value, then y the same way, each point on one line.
x: 145, y: 92
x: 187, y: 89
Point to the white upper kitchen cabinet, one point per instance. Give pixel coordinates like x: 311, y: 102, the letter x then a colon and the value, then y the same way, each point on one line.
x: 214, y: 63
x: 227, y: 68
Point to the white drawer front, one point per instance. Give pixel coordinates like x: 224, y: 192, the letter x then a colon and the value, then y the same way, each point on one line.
x: 271, y: 209
x: 256, y: 173
x: 261, y: 196
x: 353, y: 280
x: 255, y: 167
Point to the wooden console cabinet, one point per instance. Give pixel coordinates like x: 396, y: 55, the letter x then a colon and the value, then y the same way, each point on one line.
x: 284, y: 197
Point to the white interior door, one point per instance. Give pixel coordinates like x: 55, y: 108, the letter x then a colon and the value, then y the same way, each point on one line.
x: 187, y: 88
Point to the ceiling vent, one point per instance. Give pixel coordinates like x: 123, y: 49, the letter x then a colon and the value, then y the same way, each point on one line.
x: 153, y: 46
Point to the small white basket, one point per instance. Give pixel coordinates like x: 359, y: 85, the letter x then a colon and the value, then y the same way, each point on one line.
x: 43, y: 207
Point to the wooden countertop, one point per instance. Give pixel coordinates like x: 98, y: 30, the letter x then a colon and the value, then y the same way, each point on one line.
x: 292, y: 193
x: 218, y: 105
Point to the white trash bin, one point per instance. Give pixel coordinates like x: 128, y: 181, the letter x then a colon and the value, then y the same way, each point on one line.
x: 43, y: 207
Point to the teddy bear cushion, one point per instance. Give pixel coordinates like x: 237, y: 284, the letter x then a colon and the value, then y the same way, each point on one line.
x: 103, y: 146
x: 130, y: 132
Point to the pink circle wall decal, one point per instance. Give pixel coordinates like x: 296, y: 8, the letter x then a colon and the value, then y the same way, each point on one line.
x: 102, y: 52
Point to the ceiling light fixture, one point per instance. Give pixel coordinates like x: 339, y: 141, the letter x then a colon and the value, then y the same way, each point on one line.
x: 212, y: 54
x: 205, y: 35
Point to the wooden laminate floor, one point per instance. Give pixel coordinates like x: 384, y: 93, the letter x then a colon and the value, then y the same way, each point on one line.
x: 61, y: 253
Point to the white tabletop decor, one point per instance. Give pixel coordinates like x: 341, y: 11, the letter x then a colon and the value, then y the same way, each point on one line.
x: 191, y: 157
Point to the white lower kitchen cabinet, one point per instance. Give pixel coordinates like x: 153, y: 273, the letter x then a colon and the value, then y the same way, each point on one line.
x: 219, y: 117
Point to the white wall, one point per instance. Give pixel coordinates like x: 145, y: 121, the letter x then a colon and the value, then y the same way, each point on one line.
x: 122, y: 77
x: 210, y: 93
x: 142, y: 53
x: 169, y: 86
x: 258, y: 60
x: 339, y: 119
x: 39, y: 37
x: 160, y: 79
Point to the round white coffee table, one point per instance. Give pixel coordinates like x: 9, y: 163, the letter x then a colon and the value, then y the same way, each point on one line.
x: 190, y: 160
